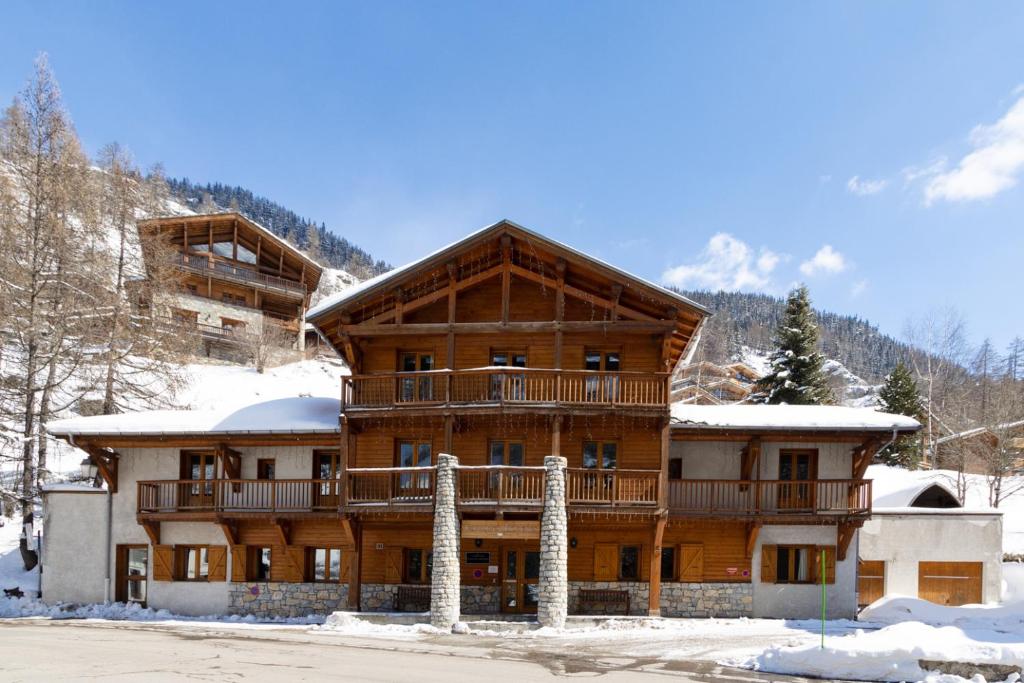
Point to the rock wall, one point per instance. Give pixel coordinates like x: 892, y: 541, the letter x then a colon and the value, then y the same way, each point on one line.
x: 639, y: 597
x: 707, y: 600
x: 275, y: 599
x: 447, y: 572
x: 552, y: 605
x: 481, y: 599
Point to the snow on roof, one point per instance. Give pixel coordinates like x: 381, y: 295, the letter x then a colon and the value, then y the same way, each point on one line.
x: 358, y: 290
x: 894, y: 489
x: 295, y: 415
x: 787, y: 418
x: 71, y: 488
x: 978, y: 430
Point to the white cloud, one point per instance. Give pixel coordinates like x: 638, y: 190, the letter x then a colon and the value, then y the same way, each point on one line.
x: 858, y: 288
x: 929, y: 170
x: 827, y: 260
x: 993, y: 166
x: 864, y: 186
x: 726, y: 263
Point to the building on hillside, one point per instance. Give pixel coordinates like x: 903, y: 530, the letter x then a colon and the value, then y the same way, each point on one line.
x: 977, y: 448
x: 707, y: 383
x: 504, y: 444
x: 921, y: 542
x: 237, y: 278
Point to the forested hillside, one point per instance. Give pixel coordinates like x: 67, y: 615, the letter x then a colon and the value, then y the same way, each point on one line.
x: 742, y: 319
x: 315, y: 239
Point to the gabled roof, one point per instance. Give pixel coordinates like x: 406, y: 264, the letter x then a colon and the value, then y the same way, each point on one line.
x: 439, y: 257
x: 977, y: 431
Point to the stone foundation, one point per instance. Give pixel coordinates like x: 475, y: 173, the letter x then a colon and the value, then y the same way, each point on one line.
x: 639, y: 596
x: 382, y: 597
x: 726, y: 600
x: 481, y: 599
x: 275, y: 599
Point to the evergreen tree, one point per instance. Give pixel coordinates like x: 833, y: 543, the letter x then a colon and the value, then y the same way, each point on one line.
x: 899, y: 395
x: 796, y: 375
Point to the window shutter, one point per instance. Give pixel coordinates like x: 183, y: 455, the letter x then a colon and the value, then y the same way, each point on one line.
x: 296, y: 555
x: 606, y: 562
x: 393, y: 565
x: 163, y: 563
x: 691, y: 562
x: 347, y: 559
x: 830, y: 563
x: 768, y: 557
x: 218, y: 559
x: 239, y: 558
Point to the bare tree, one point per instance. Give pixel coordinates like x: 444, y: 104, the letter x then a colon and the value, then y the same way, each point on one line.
x: 266, y: 342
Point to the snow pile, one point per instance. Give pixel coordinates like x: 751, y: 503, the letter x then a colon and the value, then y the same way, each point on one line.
x: 1013, y: 582
x: 15, y: 608
x: 789, y: 417
x: 349, y: 623
x: 914, y: 630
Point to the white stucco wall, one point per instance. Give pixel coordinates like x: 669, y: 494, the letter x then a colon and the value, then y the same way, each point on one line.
x: 902, y: 540
x: 74, y: 565
x: 708, y: 459
x: 803, y: 601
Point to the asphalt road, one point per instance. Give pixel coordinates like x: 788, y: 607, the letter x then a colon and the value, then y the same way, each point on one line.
x: 42, y: 650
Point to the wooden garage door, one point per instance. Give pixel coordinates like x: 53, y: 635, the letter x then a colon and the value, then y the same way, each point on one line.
x: 870, y: 581
x: 949, y: 583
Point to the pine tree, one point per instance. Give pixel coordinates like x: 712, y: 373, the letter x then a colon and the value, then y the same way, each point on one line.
x: 796, y: 375
x: 899, y: 395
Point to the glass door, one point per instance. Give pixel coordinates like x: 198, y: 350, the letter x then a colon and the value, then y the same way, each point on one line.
x: 520, y: 576
x: 602, y: 388
x: 327, y: 470
x: 417, y: 387
x: 508, y: 386
x: 414, y: 485
x: 797, y: 472
x: 199, y: 467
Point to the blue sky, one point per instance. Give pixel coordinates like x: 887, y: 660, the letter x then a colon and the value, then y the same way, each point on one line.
x: 874, y: 151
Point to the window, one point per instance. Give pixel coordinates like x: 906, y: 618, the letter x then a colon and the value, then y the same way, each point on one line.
x: 799, y: 467
x: 265, y: 468
x: 199, y: 466
x: 192, y: 289
x: 229, y: 325
x: 132, y: 569
x: 326, y: 466
x: 413, y: 454
x: 675, y: 468
x: 259, y: 564
x: 509, y: 387
x: 416, y: 388
x: 601, y: 455
x: 629, y: 563
x: 419, y: 565
x: 602, y: 388
x: 325, y: 564
x: 793, y: 564
x: 507, y: 453
x: 193, y: 562
x: 234, y: 299
x: 668, y: 563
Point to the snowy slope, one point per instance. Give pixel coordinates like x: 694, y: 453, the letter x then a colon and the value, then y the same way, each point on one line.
x: 852, y: 390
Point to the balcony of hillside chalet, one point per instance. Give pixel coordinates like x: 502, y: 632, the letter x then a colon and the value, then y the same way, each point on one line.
x: 499, y: 487
x: 208, y: 266
x: 504, y: 386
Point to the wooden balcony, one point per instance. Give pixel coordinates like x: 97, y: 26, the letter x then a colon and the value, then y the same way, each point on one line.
x: 769, y: 498
x: 238, y: 497
x: 390, y: 487
x: 612, y: 488
x: 503, y: 387
x: 499, y: 486
x: 207, y: 266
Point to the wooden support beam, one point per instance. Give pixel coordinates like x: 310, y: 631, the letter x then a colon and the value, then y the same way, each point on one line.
x: 399, y: 295
x: 106, y: 462
x: 259, y: 250
x: 347, y: 527
x: 152, y: 530
x: 283, y: 529
x: 654, y: 599
x: 209, y: 225
x: 863, y: 455
x: 343, y: 457
x: 666, y: 442
x: 234, y: 241
x: 588, y: 297
x: 453, y: 276
x: 751, y: 456
x: 556, y: 435
x: 559, y: 309
x: 753, y: 529
x: 355, y: 577
x: 230, y: 532
x: 231, y: 461
x: 844, y: 536
x: 616, y: 294
x: 506, y: 276
x: 448, y: 428
x: 585, y: 326
x: 280, y: 263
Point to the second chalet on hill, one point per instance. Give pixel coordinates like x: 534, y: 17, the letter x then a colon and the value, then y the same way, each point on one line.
x: 505, y: 442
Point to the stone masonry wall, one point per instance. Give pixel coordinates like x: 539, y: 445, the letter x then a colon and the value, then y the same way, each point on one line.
x: 552, y: 606
x: 447, y: 573
x: 726, y: 600
x: 481, y: 599
x: 639, y: 597
x: 275, y: 599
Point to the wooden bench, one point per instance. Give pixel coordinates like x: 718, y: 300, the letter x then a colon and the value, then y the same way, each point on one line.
x: 603, y: 596
x: 412, y: 599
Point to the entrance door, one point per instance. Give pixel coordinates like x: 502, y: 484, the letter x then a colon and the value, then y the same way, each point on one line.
x: 326, y: 469
x: 132, y: 569
x: 418, y: 387
x: 797, y: 472
x: 199, y: 467
x: 520, y: 575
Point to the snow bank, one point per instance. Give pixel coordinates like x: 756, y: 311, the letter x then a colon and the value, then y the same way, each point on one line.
x: 896, y: 609
x: 349, y: 623
x: 15, y: 608
x: 1013, y: 582
x: 685, y: 415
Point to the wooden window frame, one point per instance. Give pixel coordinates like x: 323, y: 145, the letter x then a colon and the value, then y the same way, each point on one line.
x: 600, y: 454
x: 604, y: 351
x: 506, y: 441
x: 254, y: 554
x: 181, y: 563
x: 311, y: 564
x: 812, y: 572
x: 426, y: 566
x: 674, y: 571
x: 511, y: 351
x: 793, y: 453
x: 335, y: 462
x: 422, y: 384
x: 416, y: 443
x: 639, y: 561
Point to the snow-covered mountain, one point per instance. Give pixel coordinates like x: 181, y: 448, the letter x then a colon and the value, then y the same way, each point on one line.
x: 851, y: 390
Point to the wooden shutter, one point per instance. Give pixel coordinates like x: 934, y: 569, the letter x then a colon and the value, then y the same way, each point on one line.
x: 393, y: 565
x: 606, y: 562
x: 163, y: 563
x: 830, y: 563
x: 239, y: 559
x: 691, y: 562
x: 217, y: 556
x: 296, y: 558
x: 347, y: 559
x: 768, y: 557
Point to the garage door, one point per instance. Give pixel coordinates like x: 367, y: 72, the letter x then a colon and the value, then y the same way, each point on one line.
x: 949, y: 583
x: 870, y: 581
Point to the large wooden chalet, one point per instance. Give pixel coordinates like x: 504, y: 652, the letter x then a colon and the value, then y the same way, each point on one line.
x: 502, y: 349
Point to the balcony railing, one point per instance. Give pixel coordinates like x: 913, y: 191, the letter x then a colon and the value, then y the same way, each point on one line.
x: 239, y: 495
x: 723, y: 497
x: 500, y: 485
x: 203, y: 265
x: 612, y: 487
x: 390, y: 486
x: 505, y: 386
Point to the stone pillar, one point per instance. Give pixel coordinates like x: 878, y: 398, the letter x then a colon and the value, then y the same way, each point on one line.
x: 553, y: 602
x: 445, y: 584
